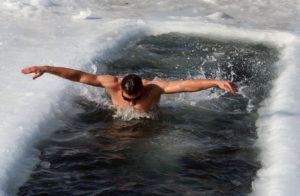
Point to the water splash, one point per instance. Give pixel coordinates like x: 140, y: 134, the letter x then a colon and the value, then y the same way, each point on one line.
x: 128, y: 113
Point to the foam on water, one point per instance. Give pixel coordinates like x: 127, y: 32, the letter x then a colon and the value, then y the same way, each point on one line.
x: 129, y: 113
x: 72, y: 33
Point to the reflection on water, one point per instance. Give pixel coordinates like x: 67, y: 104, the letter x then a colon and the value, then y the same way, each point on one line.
x: 198, y: 145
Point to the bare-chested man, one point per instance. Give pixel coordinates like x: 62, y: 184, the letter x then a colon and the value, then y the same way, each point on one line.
x: 131, y: 90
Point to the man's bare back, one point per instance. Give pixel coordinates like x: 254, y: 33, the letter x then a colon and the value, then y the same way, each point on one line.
x: 132, y: 91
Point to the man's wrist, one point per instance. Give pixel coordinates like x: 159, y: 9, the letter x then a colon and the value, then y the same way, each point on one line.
x: 217, y: 83
x: 46, y: 68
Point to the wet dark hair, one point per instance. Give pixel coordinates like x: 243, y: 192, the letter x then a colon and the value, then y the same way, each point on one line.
x: 132, y: 84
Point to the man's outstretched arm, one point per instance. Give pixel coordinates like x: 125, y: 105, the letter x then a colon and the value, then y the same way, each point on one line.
x: 71, y: 74
x: 194, y: 85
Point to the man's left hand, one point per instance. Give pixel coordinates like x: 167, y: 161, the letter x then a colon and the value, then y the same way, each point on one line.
x: 228, y: 86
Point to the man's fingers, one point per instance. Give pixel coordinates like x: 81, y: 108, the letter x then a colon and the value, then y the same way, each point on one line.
x: 34, y: 69
x: 35, y: 76
x: 25, y: 71
x: 38, y: 74
x: 229, y: 88
x: 235, y: 87
x: 29, y: 70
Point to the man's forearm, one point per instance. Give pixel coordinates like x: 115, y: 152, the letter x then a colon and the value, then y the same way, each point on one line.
x: 202, y: 84
x: 66, y: 73
x: 195, y: 85
x: 190, y: 85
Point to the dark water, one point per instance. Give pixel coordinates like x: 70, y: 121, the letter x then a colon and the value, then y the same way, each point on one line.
x: 200, y: 144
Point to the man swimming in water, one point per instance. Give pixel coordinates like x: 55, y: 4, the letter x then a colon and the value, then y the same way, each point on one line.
x: 131, y: 90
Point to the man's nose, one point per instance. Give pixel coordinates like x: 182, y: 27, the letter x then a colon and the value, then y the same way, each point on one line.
x: 132, y: 103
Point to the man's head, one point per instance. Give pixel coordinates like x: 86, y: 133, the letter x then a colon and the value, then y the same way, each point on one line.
x: 132, y: 88
x: 132, y: 84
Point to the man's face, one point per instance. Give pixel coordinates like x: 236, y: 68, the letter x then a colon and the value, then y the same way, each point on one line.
x: 131, y: 99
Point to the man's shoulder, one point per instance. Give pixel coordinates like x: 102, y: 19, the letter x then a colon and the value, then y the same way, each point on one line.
x: 152, y: 86
x: 157, y: 83
x: 148, y: 83
x: 109, y: 81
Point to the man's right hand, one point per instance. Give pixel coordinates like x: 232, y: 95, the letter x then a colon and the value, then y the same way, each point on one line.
x: 38, y: 70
